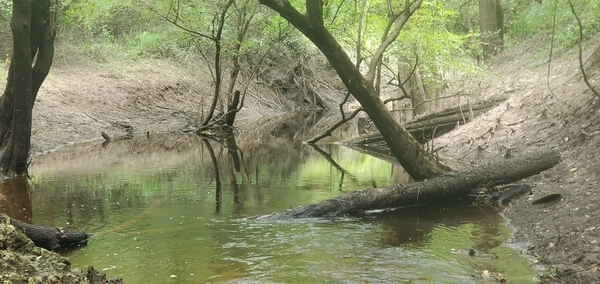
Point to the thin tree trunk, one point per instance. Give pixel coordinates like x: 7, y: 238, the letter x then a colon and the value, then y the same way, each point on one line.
x: 217, y: 58
x: 232, y: 109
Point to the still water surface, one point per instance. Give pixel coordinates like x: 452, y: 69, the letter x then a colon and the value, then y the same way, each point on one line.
x: 174, y: 210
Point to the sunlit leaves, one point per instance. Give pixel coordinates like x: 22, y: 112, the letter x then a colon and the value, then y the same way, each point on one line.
x: 532, y: 18
x: 428, y: 34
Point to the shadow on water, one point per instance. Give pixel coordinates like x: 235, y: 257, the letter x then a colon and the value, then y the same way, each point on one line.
x: 413, y: 226
x: 173, y: 208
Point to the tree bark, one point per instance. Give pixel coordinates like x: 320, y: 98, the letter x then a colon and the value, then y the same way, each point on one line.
x: 437, y: 190
x: 50, y: 238
x: 232, y: 109
x: 15, y: 153
x: 217, y: 58
x: 491, y: 23
x: 405, y: 148
x: 34, y: 28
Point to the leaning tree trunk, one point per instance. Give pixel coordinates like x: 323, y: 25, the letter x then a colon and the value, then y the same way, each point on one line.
x: 440, y: 189
x: 33, y: 26
x: 411, y: 155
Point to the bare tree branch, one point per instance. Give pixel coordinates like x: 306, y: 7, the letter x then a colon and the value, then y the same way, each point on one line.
x: 585, y: 78
x: 335, y: 126
x: 176, y: 23
x: 402, y: 19
x: 346, y: 119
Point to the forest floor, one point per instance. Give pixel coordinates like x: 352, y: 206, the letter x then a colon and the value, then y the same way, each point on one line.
x: 78, y: 101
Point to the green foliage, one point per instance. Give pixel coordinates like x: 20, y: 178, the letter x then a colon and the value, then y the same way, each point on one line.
x: 442, y: 34
x: 113, y: 29
x: 160, y: 44
x: 5, y: 9
x: 526, y: 19
x: 107, y: 18
x: 430, y: 35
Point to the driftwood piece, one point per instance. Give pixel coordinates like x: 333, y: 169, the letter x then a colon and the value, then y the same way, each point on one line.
x: 50, y: 238
x: 444, y: 188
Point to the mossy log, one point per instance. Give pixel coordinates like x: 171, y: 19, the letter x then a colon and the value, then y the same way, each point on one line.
x: 453, y: 185
x: 50, y: 238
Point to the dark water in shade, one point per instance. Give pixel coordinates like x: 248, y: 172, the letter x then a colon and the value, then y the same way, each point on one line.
x: 173, y: 210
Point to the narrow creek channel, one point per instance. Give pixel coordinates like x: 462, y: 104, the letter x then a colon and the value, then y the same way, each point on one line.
x: 173, y: 210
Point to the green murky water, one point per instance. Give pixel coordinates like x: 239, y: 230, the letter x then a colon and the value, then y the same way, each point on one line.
x: 172, y: 210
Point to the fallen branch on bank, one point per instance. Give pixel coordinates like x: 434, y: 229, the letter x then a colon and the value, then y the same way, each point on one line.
x: 50, y: 238
x: 453, y: 185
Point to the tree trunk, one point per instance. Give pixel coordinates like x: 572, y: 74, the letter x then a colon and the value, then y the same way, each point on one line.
x: 491, y: 22
x: 437, y: 190
x: 232, y: 109
x: 34, y: 28
x: 405, y: 148
x: 19, y: 95
x: 217, y: 40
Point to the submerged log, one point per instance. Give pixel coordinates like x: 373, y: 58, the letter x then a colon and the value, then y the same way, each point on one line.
x: 444, y: 188
x: 50, y: 238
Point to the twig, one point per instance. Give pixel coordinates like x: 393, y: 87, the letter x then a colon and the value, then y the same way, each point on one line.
x: 335, y: 126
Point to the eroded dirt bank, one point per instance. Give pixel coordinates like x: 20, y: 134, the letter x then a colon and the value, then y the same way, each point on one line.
x: 78, y: 101
x: 557, y: 111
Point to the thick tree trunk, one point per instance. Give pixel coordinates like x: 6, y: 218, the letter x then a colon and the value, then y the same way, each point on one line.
x: 405, y: 148
x: 14, y: 154
x: 437, y: 190
x: 34, y: 28
x: 491, y: 21
x: 50, y: 238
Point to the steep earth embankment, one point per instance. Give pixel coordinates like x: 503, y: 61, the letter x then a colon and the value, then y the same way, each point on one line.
x: 556, y: 110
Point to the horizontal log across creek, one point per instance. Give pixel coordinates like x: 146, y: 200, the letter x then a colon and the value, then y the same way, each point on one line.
x: 452, y: 185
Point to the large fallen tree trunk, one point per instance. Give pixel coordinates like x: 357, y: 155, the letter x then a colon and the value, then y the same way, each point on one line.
x: 444, y: 188
x: 50, y: 238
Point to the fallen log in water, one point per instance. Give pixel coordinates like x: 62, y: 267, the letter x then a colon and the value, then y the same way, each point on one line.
x: 444, y: 188
x: 50, y: 238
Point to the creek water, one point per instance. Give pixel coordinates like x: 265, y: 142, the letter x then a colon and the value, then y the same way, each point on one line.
x: 175, y: 210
